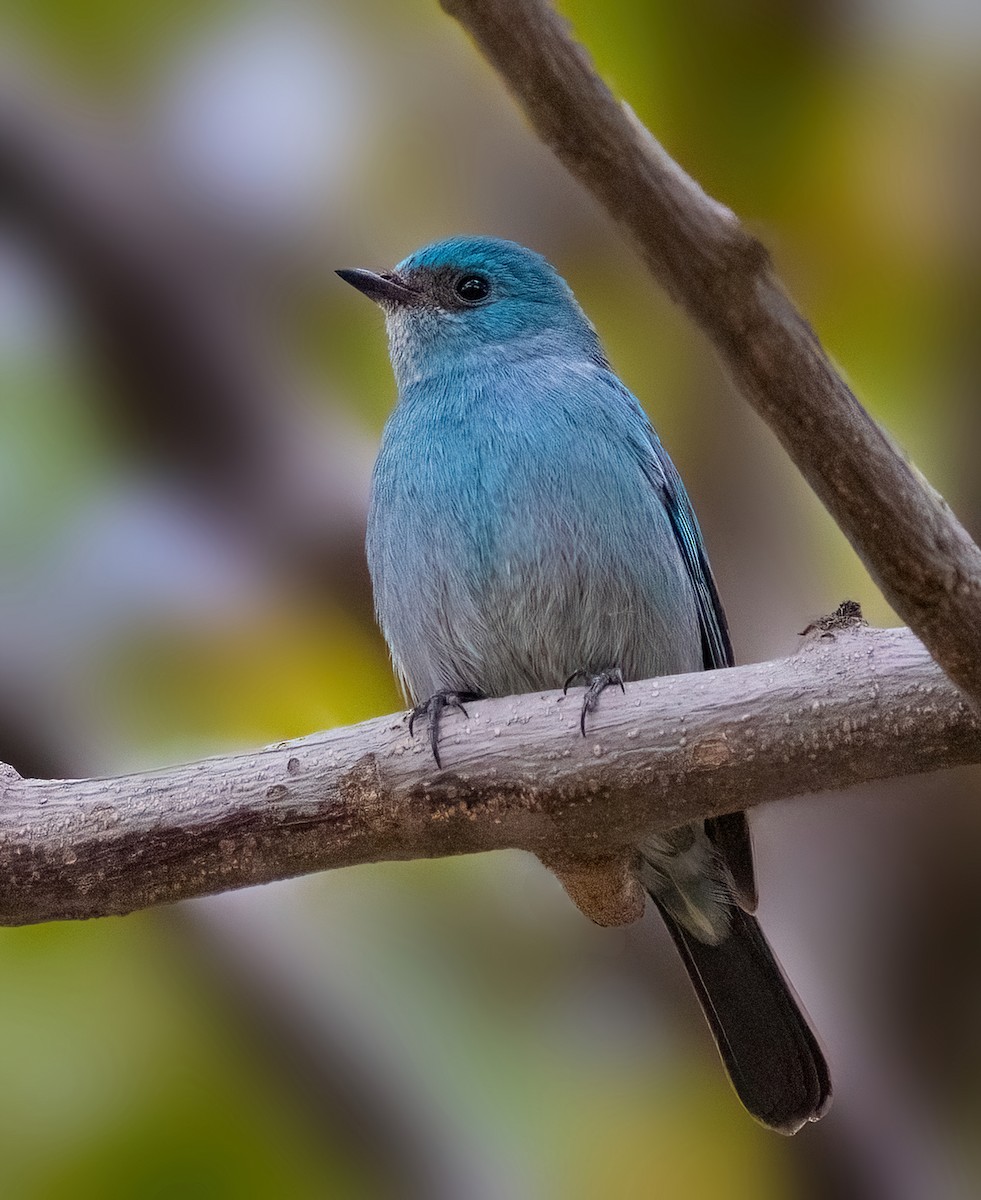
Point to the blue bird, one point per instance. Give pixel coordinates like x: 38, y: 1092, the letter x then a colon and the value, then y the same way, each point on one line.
x: 527, y: 529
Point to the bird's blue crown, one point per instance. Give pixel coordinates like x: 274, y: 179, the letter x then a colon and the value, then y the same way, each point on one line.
x: 479, y: 293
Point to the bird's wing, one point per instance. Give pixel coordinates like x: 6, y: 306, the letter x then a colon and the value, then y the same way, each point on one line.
x: 729, y: 833
x: 716, y: 646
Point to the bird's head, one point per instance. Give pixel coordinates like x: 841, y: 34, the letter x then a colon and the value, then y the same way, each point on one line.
x: 474, y: 296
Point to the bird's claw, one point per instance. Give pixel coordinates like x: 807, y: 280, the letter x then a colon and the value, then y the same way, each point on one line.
x: 596, y: 685
x: 572, y: 678
x: 433, y: 710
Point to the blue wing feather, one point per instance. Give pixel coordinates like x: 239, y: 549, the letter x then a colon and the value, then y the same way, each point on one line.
x: 716, y: 646
x: 730, y: 832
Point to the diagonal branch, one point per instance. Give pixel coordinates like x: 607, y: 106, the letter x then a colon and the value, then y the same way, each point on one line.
x: 927, y: 566
x: 855, y: 706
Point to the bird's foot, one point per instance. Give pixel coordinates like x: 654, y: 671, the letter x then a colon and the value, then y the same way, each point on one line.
x: 433, y: 709
x: 596, y: 685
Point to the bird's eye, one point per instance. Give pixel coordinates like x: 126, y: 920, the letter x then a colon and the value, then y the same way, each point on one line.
x: 472, y: 288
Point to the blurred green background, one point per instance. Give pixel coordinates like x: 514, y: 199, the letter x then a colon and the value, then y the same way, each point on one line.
x: 189, y: 403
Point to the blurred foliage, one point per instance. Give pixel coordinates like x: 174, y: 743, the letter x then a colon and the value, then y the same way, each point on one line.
x: 123, y: 1079
x: 109, y: 44
x: 51, y: 455
x: 839, y: 138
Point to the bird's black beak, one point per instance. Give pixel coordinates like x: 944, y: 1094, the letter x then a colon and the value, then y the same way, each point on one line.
x: 384, y: 289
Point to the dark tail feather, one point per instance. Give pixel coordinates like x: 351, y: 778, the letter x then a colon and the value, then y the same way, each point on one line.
x: 769, y: 1051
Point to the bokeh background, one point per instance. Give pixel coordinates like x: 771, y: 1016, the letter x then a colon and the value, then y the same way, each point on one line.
x: 189, y: 405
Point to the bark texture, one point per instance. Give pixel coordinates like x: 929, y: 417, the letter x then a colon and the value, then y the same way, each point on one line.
x: 853, y: 705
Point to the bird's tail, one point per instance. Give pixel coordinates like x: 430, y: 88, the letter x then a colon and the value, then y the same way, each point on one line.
x: 770, y: 1053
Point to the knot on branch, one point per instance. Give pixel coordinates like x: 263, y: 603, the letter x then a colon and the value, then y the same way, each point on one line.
x: 8, y: 776
x: 847, y: 616
x: 604, y: 889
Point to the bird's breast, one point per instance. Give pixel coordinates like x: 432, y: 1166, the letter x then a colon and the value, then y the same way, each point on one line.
x: 513, y: 543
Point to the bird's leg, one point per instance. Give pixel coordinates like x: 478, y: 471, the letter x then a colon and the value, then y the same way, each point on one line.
x: 596, y: 685
x: 433, y: 709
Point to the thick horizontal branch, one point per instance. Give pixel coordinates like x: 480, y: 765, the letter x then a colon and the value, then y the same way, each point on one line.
x: 859, y: 705
x: 927, y: 566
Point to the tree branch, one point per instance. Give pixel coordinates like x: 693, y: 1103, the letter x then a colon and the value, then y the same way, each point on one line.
x: 926, y: 564
x: 849, y: 707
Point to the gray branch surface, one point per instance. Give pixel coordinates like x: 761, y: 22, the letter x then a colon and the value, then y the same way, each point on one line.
x: 920, y: 556
x: 852, y: 706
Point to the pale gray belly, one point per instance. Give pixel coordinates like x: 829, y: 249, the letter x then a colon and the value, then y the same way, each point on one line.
x: 525, y: 626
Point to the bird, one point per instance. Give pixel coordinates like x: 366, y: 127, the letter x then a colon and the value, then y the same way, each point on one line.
x: 527, y: 531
